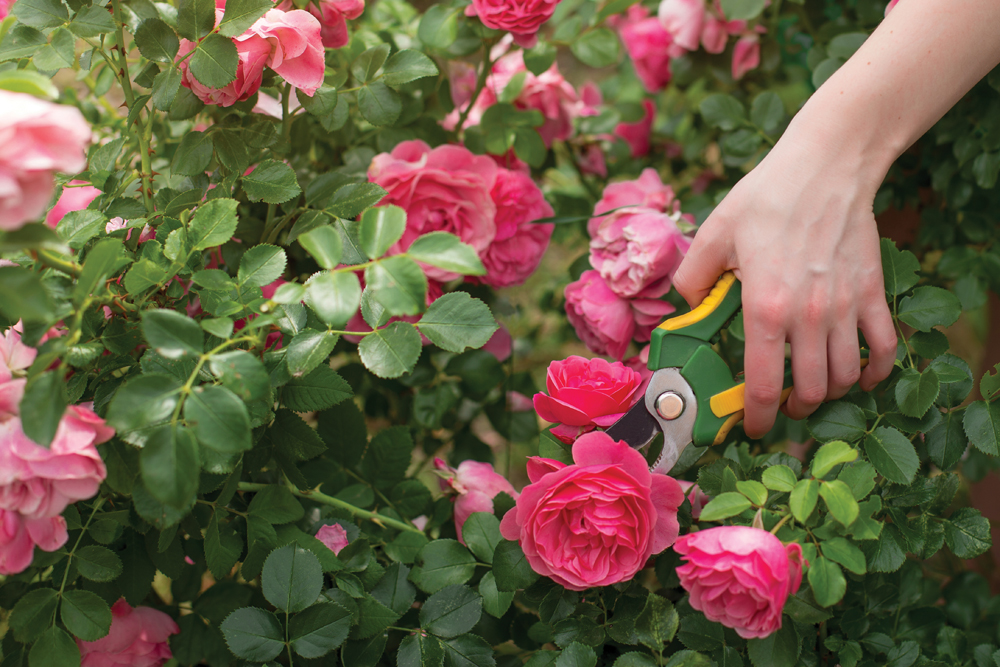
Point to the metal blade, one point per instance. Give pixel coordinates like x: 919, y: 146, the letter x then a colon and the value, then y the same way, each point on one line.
x: 636, y: 427
x: 677, y: 431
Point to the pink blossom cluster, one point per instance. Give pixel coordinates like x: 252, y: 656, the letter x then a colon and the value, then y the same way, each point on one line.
x: 636, y: 246
x: 37, y: 483
x: 332, y: 16
x: 693, y: 22
x: 290, y: 43
x: 474, y: 485
x: 488, y: 206
x: 521, y: 18
x: 139, y: 637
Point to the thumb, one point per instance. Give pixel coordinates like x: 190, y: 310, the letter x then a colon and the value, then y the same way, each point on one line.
x: 707, y: 259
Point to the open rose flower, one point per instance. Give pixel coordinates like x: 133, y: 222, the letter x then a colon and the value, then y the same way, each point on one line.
x: 447, y: 188
x: 20, y: 536
x: 333, y: 536
x: 746, y: 55
x: 683, y: 20
x: 739, y: 576
x: 37, y: 139
x: 521, y: 18
x: 647, y: 191
x: 595, y: 522
x: 76, y: 196
x: 519, y: 243
x: 332, y: 16
x: 649, y: 45
x: 637, y: 134
x: 586, y: 393
x: 475, y: 485
x: 138, y: 637
x: 695, y: 496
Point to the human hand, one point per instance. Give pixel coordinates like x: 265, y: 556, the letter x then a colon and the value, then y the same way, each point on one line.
x: 800, y: 234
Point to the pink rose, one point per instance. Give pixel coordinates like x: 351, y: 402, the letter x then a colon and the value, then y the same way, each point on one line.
x: 476, y: 484
x: 138, y: 638
x: 37, y: 139
x: 519, y: 243
x: 40, y: 482
x: 648, y: 314
x: 586, y: 393
x: 297, y: 54
x: 650, y: 47
x: 500, y: 344
x: 746, y: 55
x: 5, y: 6
x: 114, y: 224
x: 14, y: 355
x: 442, y: 189
x: 521, y: 18
x: 683, y: 20
x: 595, y: 522
x: 76, y: 196
x: 637, y: 134
x: 332, y: 16
x: 888, y: 8
x: 591, y: 160
x: 333, y: 536
x: 20, y: 536
x: 647, y: 191
x: 695, y: 496
x: 716, y: 29
x: 640, y: 364
x: 740, y: 577
x: 253, y: 53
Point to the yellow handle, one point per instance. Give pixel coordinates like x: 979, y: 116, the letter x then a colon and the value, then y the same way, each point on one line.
x: 705, y: 308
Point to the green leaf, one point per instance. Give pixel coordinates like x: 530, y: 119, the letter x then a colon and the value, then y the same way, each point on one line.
x: 700, y: 634
x: 271, y: 181
x: 42, y: 407
x: 20, y: 42
x: 407, y: 65
x: 955, y: 378
x: 446, y: 251
x: 452, y: 611
x: 885, y: 554
x: 780, y: 649
x: 989, y: 385
x: 253, y: 634
x: 54, y: 647
x: 165, y: 87
x: 324, y: 245
x: 381, y: 227
x: 577, y: 655
x: 322, y: 103
x: 827, y: 582
x: 25, y: 297
x: 276, y: 504
x: 32, y: 83
x: 167, y: 463
x: 742, y: 10
x: 141, y: 404
x: 58, y: 53
x: 213, y: 224
x: 839, y: 501
x: 441, y: 563
x: 98, y: 563
x: 155, y: 39
x: 319, y: 629
x: 241, y: 373
x: 369, y: 62
x: 596, y: 48
x: 308, y: 349
x: 439, y: 26
x: 391, y: 351
x: 456, y: 322
x: 481, y: 533
x: 899, y: 268
x: 947, y: 442
x: 511, y: 568
x: 241, y: 14
x: 40, y: 14
x: 374, y: 618
x: 859, y: 478
x: 967, y: 533
x: 722, y: 111
x: 755, y: 491
x: 420, y: 650
x: 472, y: 651
x: 767, y: 111
x: 293, y: 437
x: 982, y: 425
x: 261, y: 265
x: 195, y: 18
x: 803, y: 499
x: 495, y: 602
x: 916, y: 391
x: 929, y: 344
x: 779, y: 478
x: 350, y: 200
x: 394, y: 589
x: 222, y: 547
x: 724, y: 506
x: 838, y: 420
x: 928, y: 307
x: 399, y: 284
x: 219, y: 419
x: 104, y: 260
x: 33, y: 613
x: 193, y: 155
x: 892, y: 454
x: 831, y: 455
x: 334, y: 296
x: 292, y: 578
x: 319, y: 390
x: 844, y: 552
x: 379, y: 104
x: 85, y: 614
x: 903, y: 655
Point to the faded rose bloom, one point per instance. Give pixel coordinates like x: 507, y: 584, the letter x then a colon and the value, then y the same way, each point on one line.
x: 595, y: 522
x: 74, y: 198
x: 37, y: 139
x: 333, y: 536
x: 138, y: 638
x: 746, y: 55
x: 637, y: 134
x: 649, y: 45
x: 521, y: 18
x: 20, y: 536
x: 476, y: 484
x: 332, y: 16
x: 740, y: 577
x: 646, y: 191
x: 586, y: 393
x: 695, y: 496
x: 683, y: 20
x: 519, y: 243
x: 447, y: 188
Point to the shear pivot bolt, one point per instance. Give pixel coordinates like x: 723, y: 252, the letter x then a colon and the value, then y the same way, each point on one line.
x: 670, y: 405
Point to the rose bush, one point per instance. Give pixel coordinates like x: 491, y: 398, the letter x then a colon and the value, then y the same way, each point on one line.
x: 256, y: 408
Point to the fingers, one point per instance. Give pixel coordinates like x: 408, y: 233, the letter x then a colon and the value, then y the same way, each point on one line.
x: 707, y: 259
x: 809, y: 371
x: 845, y: 359
x: 876, y: 325
x: 764, y: 365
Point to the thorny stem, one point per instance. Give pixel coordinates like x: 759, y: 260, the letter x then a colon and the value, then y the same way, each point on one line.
x: 54, y: 261
x: 76, y: 545
x: 480, y: 84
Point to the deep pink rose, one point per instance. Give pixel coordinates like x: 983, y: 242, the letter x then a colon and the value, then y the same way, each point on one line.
x: 648, y: 314
x: 442, y: 189
x: 39, y: 482
x: 888, y: 8
x: 746, y: 55
x: 519, y: 243
x: 740, y: 576
x: 647, y: 191
x: 37, y: 139
x: 297, y: 54
x: 683, y: 20
x: 333, y: 536
x: 138, y: 638
x: 20, y: 536
x: 76, y: 196
x: 637, y: 134
x: 476, y: 484
x: 253, y: 52
x: 332, y: 16
x: 695, y: 496
x: 5, y: 6
x: 640, y: 364
x: 595, y: 522
x: 716, y: 29
x: 586, y: 393
x: 650, y: 47
x: 521, y: 18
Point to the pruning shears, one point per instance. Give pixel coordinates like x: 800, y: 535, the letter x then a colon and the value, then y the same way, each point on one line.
x: 692, y: 397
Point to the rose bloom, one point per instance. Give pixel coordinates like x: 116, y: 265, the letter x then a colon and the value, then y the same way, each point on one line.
x: 746, y: 55
x: 5, y: 6
x: 519, y: 243
x: 333, y: 536
x: 253, y: 52
x: 586, y: 393
x: 447, y: 188
x: 595, y: 522
x: 475, y: 485
x: 739, y: 576
x: 637, y: 134
x: 114, y: 224
x: 138, y: 638
x: 649, y: 45
x: 522, y: 18
x: 332, y: 16
x: 695, y: 496
x: 37, y: 139
x: 683, y: 20
x: 20, y: 536
x: 15, y: 357
x: 647, y: 191
x: 71, y: 199
x: 716, y: 29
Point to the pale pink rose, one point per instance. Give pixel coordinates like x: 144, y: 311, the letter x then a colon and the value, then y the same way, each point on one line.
x: 37, y: 139
x: 683, y: 20
x: 270, y: 106
x: 114, y: 224
x: 591, y: 160
x: 602, y: 319
x: 447, y: 188
x: 518, y: 402
x: 646, y: 191
x: 595, y: 522
x: 637, y: 134
x: 519, y: 243
x: 521, y: 18
x: 648, y: 314
x: 74, y: 198
x: 476, y: 484
x: 11, y: 393
x: 500, y: 344
x: 138, y: 638
x: 586, y: 393
x: 333, y: 536
x: 716, y: 29
x: 649, y: 45
x: 695, y: 496
x: 39, y: 482
x: 14, y: 355
x: 253, y: 52
x: 888, y: 8
x: 746, y: 55
x: 332, y: 16
x: 297, y: 54
x: 740, y: 577
x: 20, y: 536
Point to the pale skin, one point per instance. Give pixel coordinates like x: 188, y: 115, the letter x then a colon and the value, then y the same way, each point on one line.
x: 799, y: 230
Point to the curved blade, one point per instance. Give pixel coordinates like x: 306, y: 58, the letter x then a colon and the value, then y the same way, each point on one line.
x: 676, y: 432
x: 636, y: 427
